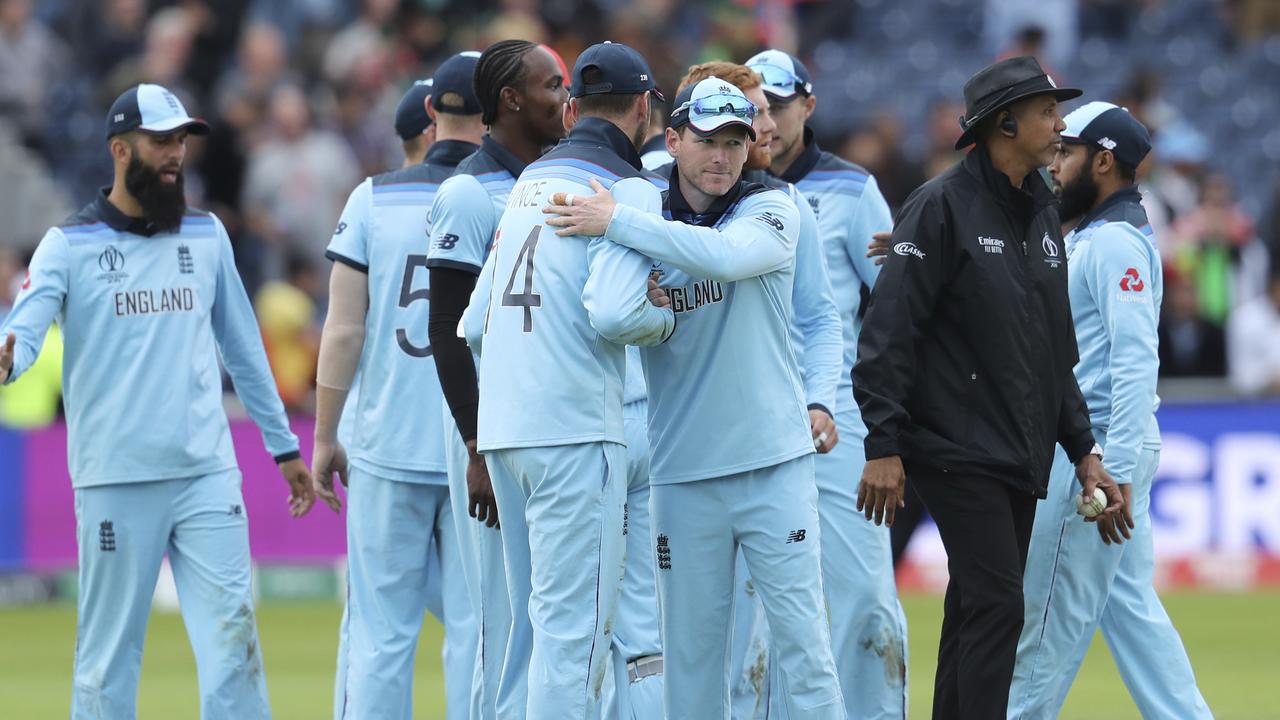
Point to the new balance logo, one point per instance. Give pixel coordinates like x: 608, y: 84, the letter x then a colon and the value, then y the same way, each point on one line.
x: 446, y: 241
x: 770, y: 220
x: 185, y: 265
x: 664, y: 553
x: 106, y: 537
x: 795, y: 536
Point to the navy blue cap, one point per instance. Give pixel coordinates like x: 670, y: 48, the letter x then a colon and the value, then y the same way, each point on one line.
x: 152, y: 109
x: 785, y: 77
x: 455, y: 87
x: 622, y: 72
x: 411, y: 114
x: 1110, y: 127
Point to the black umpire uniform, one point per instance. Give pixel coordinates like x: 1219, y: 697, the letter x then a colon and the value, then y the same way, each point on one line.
x: 965, y: 372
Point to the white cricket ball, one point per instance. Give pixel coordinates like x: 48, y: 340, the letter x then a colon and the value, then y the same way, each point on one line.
x: 1091, y: 507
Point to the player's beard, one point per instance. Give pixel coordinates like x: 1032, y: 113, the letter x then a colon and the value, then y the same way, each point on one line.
x: 1077, y: 196
x: 758, y: 157
x: 163, y: 204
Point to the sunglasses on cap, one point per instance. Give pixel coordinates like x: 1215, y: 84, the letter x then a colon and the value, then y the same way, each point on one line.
x: 714, y: 106
x: 780, y: 80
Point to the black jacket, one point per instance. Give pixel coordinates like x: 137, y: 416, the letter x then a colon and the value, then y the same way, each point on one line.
x: 967, y: 347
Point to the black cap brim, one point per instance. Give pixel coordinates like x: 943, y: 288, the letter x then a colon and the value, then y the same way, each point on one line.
x: 967, y: 137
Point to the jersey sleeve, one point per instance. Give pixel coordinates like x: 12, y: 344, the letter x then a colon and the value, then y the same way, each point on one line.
x: 902, y: 304
x: 240, y: 344
x: 40, y: 299
x: 462, y: 223
x: 871, y: 215
x: 349, y: 244
x: 761, y: 240
x: 1121, y: 278
x: 615, y: 294
x: 816, y: 314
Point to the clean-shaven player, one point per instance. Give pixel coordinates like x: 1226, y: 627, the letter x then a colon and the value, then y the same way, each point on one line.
x: 868, y: 627
x: 817, y: 340
x: 374, y: 351
x: 147, y: 296
x: 552, y: 371
x: 727, y: 418
x: 1074, y: 582
x: 521, y: 89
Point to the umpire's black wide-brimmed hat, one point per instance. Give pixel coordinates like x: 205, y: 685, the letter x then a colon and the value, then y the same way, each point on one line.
x: 996, y: 86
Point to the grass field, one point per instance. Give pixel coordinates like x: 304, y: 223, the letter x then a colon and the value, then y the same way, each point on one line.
x: 1233, y: 639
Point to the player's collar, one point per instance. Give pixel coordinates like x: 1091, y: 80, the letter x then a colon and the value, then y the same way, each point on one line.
x: 117, y: 220
x: 449, y: 152
x: 680, y: 209
x: 598, y: 131
x: 806, y: 161
x: 1129, y: 194
x: 505, y: 157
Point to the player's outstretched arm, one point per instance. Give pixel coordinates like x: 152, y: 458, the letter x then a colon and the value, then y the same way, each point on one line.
x: 6, y: 356
x: 40, y: 297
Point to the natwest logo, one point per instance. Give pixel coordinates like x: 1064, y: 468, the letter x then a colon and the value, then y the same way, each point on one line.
x: 1131, y: 282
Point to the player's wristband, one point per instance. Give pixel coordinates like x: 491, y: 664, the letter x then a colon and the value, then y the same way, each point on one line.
x: 286, y: 457
x: 823, y: 408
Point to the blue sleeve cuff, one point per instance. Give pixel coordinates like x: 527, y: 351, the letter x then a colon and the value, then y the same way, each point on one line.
x: 286, y: 457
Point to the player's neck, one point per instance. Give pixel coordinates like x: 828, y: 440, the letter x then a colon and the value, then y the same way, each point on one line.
x: 123, y: 201
x: 781, y: 164
x: 520, y: 144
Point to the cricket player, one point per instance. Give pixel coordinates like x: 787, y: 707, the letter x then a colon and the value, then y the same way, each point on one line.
x: 727, y: 261
x: 373, y: 353
x: 521, y: 90
x: 817, y: 340
x: 148, y: 299
x: 1074, y: 582
x: 551, y: 382
x: 868, y: 627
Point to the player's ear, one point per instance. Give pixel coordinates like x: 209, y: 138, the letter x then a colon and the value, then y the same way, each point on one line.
x: 571, y: 112
x: 509, y: 98
x: 120, y: 148
x: 431, y: 110
x: 1104, y: 162
x: 673, y: 142
x: 810, y: 103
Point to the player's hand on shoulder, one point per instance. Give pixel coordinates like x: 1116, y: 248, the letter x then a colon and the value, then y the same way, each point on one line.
x: 328, y: 459
x: 586, y: 215
x: 6, y: 356
x: 301, y: 494
x: 879, y: 246
x: 880, y: 493
x: 825, y: 435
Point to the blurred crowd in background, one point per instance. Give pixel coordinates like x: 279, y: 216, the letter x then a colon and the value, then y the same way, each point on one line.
x: 300, y: 95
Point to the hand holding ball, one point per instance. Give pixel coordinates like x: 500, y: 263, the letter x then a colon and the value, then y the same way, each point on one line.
x: 1090, y: 507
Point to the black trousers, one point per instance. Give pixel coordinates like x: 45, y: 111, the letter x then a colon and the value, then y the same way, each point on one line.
x: 985, y: 526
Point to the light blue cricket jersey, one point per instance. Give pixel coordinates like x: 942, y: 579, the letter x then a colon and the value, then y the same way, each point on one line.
x: 849, y: 208
x: 816, y: 334
x: 1116, y: 285
x: 725, y: 394
x: 466, y: 210
x: 145, y: 315
x: 392, y: 423
x: 561, y: 309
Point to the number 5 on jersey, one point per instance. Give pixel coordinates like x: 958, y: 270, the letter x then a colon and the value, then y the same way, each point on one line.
x: 527, y: 299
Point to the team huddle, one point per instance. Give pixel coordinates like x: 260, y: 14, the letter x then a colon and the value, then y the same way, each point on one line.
x: 600, y: 381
